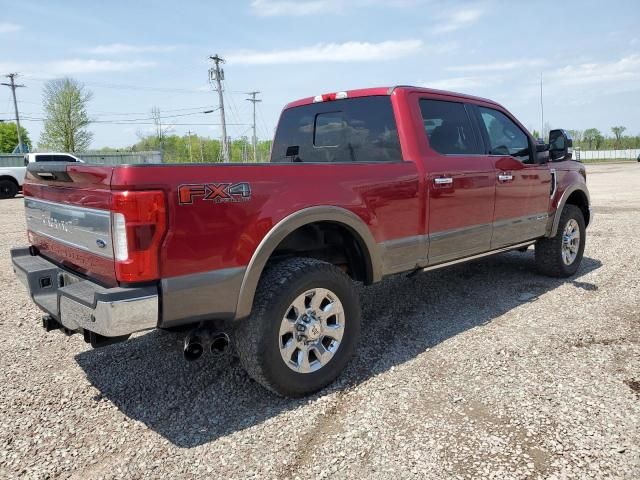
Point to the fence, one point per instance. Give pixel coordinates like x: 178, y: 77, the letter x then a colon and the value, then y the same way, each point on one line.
x: 606, y: 155
x: 99, y: 158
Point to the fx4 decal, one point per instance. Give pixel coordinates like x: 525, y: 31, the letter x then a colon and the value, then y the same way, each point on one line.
x: 214, y: 192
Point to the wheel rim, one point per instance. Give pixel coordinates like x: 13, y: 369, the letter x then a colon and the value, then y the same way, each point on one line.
x: 311, y: 330
x: 570, y: 242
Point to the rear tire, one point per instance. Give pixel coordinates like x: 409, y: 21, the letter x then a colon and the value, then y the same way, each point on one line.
x: 560, y: 256
x: 8, y: 189
x: 303, y: 327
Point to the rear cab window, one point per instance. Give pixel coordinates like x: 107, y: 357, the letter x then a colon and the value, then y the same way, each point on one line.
x: 361, y: 130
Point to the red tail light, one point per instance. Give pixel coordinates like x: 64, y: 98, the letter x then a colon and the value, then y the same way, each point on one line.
x: 139, y: 222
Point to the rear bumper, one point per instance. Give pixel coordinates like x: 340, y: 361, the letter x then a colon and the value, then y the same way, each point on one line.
x: 81, y: 305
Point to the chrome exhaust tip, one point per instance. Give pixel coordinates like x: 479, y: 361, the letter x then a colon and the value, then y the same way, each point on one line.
x: 219, y: 343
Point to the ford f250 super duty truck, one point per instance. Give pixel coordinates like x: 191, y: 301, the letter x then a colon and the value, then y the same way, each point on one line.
x: 361, y: 185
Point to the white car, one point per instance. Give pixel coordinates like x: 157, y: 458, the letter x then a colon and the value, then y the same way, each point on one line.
x: 12, y: 178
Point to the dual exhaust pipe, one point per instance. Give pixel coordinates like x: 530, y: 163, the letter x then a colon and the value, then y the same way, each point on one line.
x: 201, y: 339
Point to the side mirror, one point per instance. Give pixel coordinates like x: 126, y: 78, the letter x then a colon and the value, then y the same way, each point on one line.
x: 542, y: 152
x: 560, y: 145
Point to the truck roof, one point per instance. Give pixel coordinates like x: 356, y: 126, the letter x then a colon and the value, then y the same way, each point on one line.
x: 367, y: 92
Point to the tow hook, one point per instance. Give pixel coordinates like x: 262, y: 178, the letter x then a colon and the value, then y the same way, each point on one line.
x: 204, y: 338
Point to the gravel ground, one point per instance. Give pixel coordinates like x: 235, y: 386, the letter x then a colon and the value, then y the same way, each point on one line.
x: 484, y: 370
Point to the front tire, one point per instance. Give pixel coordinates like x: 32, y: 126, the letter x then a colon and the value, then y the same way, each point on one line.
x: 303, y: 328
x: 560, y: 256
x: 8, y: 189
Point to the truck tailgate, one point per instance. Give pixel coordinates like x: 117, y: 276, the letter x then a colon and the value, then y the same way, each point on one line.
x: 68, y: 218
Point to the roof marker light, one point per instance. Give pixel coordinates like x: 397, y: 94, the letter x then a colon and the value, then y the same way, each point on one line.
x: 317, y: 98
x: 341, y: 95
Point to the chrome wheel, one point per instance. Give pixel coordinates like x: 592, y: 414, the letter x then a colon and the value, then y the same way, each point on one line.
x: 311, y: 330
x: 570, y: 242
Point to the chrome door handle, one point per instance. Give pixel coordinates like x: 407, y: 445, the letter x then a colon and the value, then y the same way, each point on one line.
x: 505, y: 177
x: 443, y: 181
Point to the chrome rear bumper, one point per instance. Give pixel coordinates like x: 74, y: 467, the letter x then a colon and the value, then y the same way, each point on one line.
x: 81, y: 305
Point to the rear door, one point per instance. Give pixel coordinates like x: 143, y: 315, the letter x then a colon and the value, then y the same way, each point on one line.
x: 523, y: 186
x: 460, y: 181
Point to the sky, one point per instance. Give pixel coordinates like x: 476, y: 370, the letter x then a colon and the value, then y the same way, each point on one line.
x: 138, y: 55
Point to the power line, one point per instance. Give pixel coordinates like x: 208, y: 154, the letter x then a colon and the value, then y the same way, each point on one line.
x: 13, y: 87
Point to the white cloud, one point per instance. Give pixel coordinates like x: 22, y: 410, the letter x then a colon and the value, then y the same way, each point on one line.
x: 498, y: 66
x: 268, y: 8
x: 619, y: 74
x: 273, y: 8
x: 57, y: 68
x: 461, y: 83
x: 122, y: 48
x: 9, y: 27
x: 329, y: 52
x: 457, y: 19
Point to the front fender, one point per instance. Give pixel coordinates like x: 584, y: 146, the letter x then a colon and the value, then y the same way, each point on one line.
x: 554, y: 218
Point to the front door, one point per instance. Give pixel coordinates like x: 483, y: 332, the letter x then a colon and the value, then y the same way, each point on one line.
x: 523, y: 186
x: 461, y: 183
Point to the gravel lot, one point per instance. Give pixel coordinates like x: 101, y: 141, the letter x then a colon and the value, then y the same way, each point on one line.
x: 481, y: 370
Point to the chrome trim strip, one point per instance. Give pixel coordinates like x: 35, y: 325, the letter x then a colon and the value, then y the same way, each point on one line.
x: 480, y: 255
x: 84, y: 228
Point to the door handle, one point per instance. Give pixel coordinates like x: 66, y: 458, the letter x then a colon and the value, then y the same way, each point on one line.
x: 505, y: 177
x: 443, y: 181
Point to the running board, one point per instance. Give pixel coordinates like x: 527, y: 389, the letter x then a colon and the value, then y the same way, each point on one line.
x: 480, y: 255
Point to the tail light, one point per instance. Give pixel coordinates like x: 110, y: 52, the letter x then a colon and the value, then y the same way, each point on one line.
x: 139, y: 221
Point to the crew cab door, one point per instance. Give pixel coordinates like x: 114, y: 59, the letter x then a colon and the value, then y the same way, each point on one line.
x: 523, y: 186
x: 460, y: 181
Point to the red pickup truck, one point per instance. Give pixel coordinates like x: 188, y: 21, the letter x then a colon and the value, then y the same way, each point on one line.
x: 361, y: 185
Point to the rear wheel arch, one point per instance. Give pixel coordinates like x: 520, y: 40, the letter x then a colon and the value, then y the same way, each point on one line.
x: 312, y: 217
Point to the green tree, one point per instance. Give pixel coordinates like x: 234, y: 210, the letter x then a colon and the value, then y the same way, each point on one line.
x: 618, y: 131
x: 9, y: 137
x: 593, y: 137
x: 65, y: 128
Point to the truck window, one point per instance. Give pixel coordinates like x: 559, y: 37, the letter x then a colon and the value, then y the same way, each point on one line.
x: 448, y: 127
x: 54, y: 158
x: 505, y: 137
x: 341, y: 131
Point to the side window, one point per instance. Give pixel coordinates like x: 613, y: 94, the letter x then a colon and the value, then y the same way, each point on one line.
x: 349, y: 130
x: 505, y: 137
x: 448, y: 127
x: 63, y: 158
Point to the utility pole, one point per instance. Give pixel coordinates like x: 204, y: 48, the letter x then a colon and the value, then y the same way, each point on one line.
x: 190, y: 156
x: 217, y: 74
x: 254, y: 139
x: 541, y: 110
x: 201, y: 151
x: 13, y: 87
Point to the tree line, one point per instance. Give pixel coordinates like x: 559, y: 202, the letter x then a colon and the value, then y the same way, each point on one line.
x: 66, y: 129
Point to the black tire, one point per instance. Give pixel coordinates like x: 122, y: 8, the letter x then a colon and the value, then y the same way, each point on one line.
x: 257, y: 338
x: 548, y: 252
x: 8, y: 188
